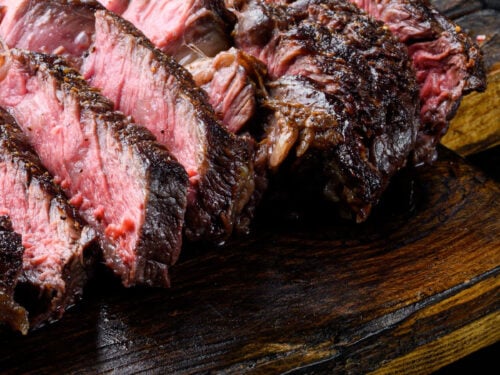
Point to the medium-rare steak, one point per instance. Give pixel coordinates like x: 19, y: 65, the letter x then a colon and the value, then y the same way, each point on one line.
x: 123, y: 183
x: 219, y: 165
x: 11, y: 262
x: 183, y: 29
x: 58, y: 246
x: 161, y: 95
x: 447, y: 61
x: 232, y: 80
x: 197, y: 34
x: 343, y: 95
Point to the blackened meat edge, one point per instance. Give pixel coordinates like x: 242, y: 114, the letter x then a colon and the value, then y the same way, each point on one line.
x: 125, y: 184
x: 59, y: 248
x: 447, y: 61
x: 343, y: 96
x: 11, y: 261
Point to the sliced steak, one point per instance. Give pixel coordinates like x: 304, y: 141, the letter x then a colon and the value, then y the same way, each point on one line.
x: 161, y: 95
x: 58, y: 246
x: 343, y: 94
x: 11, y: 262
x: 183, y: 29
x: 232, y: 80
x: 123, y: 183
x: 447, y: 61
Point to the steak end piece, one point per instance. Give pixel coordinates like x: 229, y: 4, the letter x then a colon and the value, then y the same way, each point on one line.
x: 124, y: 184
x: 233, y: 81
x: 59, y: 249
x: 11, y: 261
x: 448, y: 64
x: 343, y: 99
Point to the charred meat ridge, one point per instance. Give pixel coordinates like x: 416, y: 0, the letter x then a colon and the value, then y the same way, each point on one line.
x: 11, y: 262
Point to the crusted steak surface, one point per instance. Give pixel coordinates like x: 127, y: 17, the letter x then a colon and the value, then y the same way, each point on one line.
x: 343, y: 95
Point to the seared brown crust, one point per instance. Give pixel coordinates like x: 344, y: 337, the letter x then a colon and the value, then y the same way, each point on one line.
x: 11, y: 261
x: 156, y: 248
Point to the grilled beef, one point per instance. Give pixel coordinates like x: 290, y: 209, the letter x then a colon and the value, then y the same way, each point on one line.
x: 447, y: 61
x: 343, y: 95
x: 183, y: 29
x: 220, y: 165
x: 232, y: 80
x: 11, y: 261
x: 58, y: 246
x: 162, y: 96
x: 124, y: 183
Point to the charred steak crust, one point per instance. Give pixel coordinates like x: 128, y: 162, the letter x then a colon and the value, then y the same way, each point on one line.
x: 155, y: 249
x: 227, y: 180
x: 47, y: 299
x: 11, y: 261
x: 447, y: 61
x: 343, y: 94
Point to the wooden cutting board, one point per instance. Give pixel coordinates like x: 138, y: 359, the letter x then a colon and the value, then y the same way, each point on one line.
x: 413, y: 289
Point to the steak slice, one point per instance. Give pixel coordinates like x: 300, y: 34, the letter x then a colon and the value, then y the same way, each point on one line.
x: 123, y: 183
x: 11, y: 262
x: 58, y: 246
x: 186, y: 30
x: 233, y: 80
x: 448, y: 63
x: 161, y: 95
x: 343, y: 95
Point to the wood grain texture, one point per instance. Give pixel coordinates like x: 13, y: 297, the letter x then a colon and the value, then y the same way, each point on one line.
x: 312, y: 295
x: 446, y: 349
x: 476, y: 126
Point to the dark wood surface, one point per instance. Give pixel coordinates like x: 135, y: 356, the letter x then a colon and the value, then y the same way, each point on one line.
x: 412, y: 290
x: 310, y: 295
x: 476, y: 126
